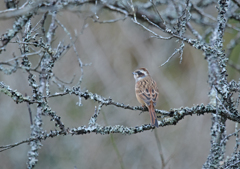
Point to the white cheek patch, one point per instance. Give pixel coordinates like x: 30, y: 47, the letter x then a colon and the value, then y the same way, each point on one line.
x: 138, y: 78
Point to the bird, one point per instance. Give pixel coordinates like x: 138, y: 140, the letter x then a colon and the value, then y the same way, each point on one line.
x: 146, y: 92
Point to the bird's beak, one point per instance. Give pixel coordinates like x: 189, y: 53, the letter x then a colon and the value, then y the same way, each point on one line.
x: 133, y: 73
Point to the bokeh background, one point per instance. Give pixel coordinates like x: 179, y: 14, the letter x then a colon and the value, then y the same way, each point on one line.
x: 114, y: 50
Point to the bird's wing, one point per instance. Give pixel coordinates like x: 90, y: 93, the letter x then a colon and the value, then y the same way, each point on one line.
x: 147, y: 90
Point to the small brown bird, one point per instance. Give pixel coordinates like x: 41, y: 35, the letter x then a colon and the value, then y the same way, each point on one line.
x: 146, y: 92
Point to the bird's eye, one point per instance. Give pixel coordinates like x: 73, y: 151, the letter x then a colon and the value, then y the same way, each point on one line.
x: 140, y: 73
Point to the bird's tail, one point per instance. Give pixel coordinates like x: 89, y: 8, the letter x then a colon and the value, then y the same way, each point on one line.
x: 153, y: 115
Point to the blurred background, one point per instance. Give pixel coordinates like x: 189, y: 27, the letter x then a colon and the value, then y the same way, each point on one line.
x: 114, y: 50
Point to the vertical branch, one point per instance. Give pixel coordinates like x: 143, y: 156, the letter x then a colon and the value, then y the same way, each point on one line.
x: 159, y: 149
x: 44, y: 76
x: 217, y: 81
x: 36, y: 127
x: 237, y: 138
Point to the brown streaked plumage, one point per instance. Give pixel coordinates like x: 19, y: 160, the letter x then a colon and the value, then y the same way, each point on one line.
x: 146, y: 92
